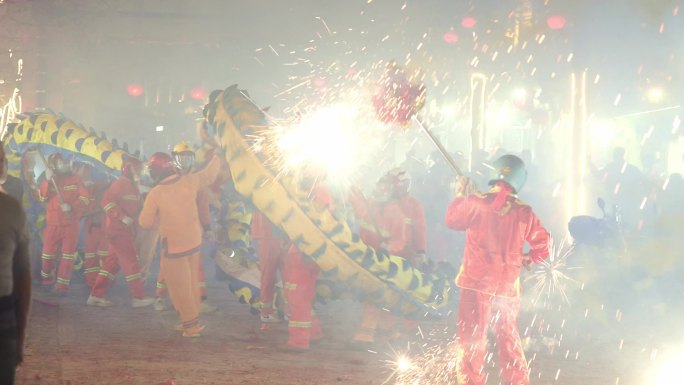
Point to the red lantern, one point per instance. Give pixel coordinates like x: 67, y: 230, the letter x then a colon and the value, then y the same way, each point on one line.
x: 319, y: 82
x: 198, y: 93
x: 450, y: 37
x: 135, y: 90
x: 468, y: 22
x: 555, y: 22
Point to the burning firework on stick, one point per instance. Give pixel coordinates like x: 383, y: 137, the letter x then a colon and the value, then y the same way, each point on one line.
x: 552, y: 277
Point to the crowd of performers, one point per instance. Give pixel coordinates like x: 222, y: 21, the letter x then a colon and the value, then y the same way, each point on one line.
x: 176, y: 201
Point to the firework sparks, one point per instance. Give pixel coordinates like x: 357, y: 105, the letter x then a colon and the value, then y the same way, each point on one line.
x: 437, y: 365
x: 550, y: 277
x: 334, y: 140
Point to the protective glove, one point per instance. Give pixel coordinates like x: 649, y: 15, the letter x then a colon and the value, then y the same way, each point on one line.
x: 527, y: 262
x: 65, y: 207
x: 465, y: 186
x: 128, y: 221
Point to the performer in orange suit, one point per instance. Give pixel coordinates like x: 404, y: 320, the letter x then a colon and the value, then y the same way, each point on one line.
x: 184, y: 161
x: 180, y: 231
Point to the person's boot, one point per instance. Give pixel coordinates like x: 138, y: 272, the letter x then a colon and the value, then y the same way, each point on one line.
x: 142, y: 302
x: 97, y: 301
x: 160, y: 304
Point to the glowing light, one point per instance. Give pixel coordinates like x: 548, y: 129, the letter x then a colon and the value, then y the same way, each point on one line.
x: 551, y: 276
x: 655, y: 95
x: 450, y: 37
x: 555, y: 22
x: 449, y: 111
x: 319, y: 83
x: 669, y: 372
x: 502, y: 116
x: 403, y: 364
x: 336, y: 139
x: 520, y: 96
x: 468, y: 22
x: 9, y: 112
x: 159, y: 128
x: 135, y: 89
x: 602, y: 132
x: 198, y: 93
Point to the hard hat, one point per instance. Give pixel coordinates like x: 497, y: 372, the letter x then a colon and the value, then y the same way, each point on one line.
x: 183, y: 157
x: 183, y: 146
x: 398, y: 179
x: 58, y: 164
x: 510, y: 169
x: 160, y: 165
x: 130, y: 167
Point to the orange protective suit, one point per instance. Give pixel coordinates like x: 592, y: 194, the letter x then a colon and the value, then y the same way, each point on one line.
x: 205, y: 220
x: 121, y: 200
x: 61, y: 228
x: 300, y: 274
x: 490, y: 281
x: 181, y: 236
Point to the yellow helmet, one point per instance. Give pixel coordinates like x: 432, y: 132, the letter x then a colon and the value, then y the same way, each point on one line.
x: 183, y: 146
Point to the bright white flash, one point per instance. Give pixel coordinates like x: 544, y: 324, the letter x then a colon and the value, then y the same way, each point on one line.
x: 669, y: 373
x: 403, y: 364
x: 333, y: 138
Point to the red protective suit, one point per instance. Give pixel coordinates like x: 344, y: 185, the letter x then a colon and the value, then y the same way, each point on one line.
x: 415, y: 233
x: 205, y: 220
x: 121, y: 200
x: 300, y: 274
x: 61, y: 228
x: 271, y: 254
x: 490, y: 281
x: 96, y: 246
x: 398, y: 225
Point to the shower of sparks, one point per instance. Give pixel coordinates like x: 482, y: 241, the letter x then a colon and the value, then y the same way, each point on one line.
x: 436, y: 365
x: 332, y: 141
x: 551, y: 276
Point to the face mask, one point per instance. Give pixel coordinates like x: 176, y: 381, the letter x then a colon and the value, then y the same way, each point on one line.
x: 184, y: 162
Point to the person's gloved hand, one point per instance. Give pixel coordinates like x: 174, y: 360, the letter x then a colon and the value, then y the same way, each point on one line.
x: 465, y: 186
x: 128, y: 221
x: 65, y: 207
x: 527, y: 262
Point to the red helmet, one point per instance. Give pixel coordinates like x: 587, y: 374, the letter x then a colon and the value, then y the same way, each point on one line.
x: 160, y: 166
x: 58, y: 164
x: 396, y: 180
x: 130, y: 167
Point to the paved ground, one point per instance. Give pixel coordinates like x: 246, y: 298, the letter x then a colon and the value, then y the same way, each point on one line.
x: 70, y: 344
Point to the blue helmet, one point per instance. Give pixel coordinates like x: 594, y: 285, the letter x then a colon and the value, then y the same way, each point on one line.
x: 510, y: 169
